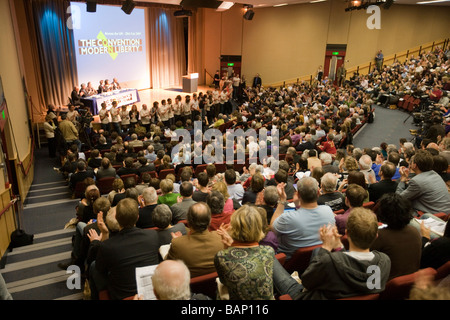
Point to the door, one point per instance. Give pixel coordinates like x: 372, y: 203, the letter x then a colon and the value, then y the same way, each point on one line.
x: 334, y: 58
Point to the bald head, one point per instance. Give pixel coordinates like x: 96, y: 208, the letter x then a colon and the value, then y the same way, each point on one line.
x: 171, y: 281
x: 199, y: 216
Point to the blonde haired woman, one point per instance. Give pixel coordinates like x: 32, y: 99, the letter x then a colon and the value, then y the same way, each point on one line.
x: 245, y: 268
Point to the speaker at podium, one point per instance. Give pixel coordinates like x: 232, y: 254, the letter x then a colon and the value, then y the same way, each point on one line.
x: 190, y: 82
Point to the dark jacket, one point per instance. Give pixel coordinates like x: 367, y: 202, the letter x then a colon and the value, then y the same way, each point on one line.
x: 337, y: 275
x: 119, y: 256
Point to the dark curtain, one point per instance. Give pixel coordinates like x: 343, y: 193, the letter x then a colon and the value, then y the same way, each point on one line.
x: 55, y: 47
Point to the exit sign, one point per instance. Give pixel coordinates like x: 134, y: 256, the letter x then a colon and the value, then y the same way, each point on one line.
x: 335, y: 53
x: 230, y: 64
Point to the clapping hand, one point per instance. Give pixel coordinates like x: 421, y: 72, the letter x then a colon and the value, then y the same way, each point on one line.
x: 281, y: 191
x: 330, y: 237
x: 223, y: 232
x: 93, y: 235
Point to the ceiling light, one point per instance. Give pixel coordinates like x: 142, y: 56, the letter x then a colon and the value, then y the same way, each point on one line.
x: 225, y: 6
x: 280, y: 5
x: 431, y: 1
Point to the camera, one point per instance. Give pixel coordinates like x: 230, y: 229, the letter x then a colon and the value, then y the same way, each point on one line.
x: 85, y: 117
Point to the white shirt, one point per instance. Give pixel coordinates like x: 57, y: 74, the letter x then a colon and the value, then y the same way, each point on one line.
x: 145, y: 116
x: 125, y: 116
x: 104, y: 113
x: 164, y: 112
x: 114, y: 115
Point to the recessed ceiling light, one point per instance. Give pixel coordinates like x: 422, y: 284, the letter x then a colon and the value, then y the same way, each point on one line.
x: 225, y: 6
x: 316, y: 1
x: 280, y: 5
x: 431, y: 1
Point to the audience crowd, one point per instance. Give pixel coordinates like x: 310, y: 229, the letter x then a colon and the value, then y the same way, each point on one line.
x: 233, y: 218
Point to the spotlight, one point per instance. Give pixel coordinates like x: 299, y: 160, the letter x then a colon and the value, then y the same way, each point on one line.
x: 128, y: 6
x: 249, y: 13
x: 91, y: 5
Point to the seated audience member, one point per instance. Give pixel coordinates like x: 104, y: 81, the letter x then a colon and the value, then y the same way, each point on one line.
x: 150, y: 154
x: 244, y: 267
x: 145, y: 167
x: 117, y: 187
x: 313, y: 161
x: 127, y: 167
x: 148, y: 202
x: 129, y: 183
x: 298, y: 228
x: 399, y: 240
x: 354, y: 198
x: 335, y: 274
x: 106, y: 170
x: 327, y: 163
x: 269, y: 201
x: 181, y: 208
x: 171, y: 281
x: 269, y: 238
x: 199, y: 248
x: 328, y: 145
x: 103, y: 144
x: 145, y: 183
x: 216, y: 203
x: 365, y: 165
x: 385, y: 185
x: 135, y: 142
x: 230, y: 204
x: 202, y: 188
x: 211, y: 172
x: 330, y: 196
x: 435, y: 252
x: 119, y: 256
x: 162, y: 219
x: 427, y: 191
x: 94, y: 205
x: 69, y: 166
x: 85, y: 211
x: 81, y: 174
x: 256, y: 186
x: 95, y: 160
x: 281, y: 176
x: 168, y: 196
x: 235, y: 190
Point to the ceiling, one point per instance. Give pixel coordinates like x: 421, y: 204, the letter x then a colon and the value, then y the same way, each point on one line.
x: 271, y: 3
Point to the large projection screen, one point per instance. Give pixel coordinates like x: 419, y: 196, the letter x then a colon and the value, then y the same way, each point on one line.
x: 110, y: 44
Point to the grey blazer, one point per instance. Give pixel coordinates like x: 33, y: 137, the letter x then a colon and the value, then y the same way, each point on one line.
x: 427, y: 192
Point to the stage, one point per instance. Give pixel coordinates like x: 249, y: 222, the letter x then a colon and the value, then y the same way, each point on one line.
x: 148, y: 96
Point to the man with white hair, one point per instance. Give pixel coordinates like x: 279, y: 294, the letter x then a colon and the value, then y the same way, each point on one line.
x: 148, y: 202
x: 365, y: 165
x: 327, y: 163
x: 306, y: 144
x: 330, y: 196
x: 171, y: 281
x: 135, y: 142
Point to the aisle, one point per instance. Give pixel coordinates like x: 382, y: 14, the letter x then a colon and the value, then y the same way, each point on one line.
x: 31, y: 272
x: 388, y: 126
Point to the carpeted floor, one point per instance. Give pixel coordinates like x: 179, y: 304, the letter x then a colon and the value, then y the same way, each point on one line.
x: 388, y: 126
x: 32, y: 272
